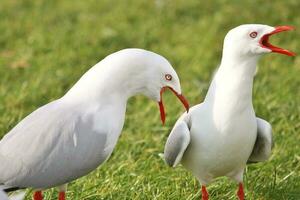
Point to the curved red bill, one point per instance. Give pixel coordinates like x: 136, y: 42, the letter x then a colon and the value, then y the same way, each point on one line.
x: 264, y: 41
x: 161, y: 105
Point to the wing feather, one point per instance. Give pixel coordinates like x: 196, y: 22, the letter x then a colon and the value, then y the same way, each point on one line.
x: 32, y: 141
x: 177, y: 143
x: 264, y: 142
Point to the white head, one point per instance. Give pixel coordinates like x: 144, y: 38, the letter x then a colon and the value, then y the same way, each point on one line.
x: 150, y: 74
x: 129, y: 72
x: 252, y: 40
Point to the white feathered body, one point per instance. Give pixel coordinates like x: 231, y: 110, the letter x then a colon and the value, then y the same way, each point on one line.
x: 223, y: 128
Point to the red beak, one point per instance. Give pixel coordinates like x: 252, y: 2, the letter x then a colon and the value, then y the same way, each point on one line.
x: 264, y: 41
x: 161, y: 105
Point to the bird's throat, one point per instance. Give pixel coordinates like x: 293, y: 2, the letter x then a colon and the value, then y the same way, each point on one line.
x: 231, y: 88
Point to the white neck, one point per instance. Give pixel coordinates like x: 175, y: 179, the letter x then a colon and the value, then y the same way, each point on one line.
x: 104, y: 83
x: 231, y: 88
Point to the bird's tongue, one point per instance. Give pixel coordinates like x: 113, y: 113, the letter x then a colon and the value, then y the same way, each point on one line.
x: 161, y: 105
x: 264, y: 41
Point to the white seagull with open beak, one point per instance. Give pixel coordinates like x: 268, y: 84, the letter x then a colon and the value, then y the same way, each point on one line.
x: 221, y: 135
x: 70, y: 137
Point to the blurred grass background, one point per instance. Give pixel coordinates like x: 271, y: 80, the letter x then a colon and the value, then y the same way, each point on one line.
x: 45, y: 46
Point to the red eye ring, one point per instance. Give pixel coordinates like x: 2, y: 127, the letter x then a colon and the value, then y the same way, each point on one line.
x: 168, y: 77
x: 253, y: 34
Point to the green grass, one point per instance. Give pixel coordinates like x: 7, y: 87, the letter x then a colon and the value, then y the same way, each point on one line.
x: 45, y: 46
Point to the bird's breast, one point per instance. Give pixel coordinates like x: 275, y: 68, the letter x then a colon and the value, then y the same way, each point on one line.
x: 220, y: 147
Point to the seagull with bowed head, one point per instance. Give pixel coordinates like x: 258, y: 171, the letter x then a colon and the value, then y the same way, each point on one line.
x: 70, y: 137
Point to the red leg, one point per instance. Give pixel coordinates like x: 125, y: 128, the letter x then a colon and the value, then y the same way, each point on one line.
x: 38, y: 195
x: 204, y: 193
x: 240, y: 192
x: 62, y: 196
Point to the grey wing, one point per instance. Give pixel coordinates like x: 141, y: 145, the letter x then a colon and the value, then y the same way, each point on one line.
x: 264, y: 142
x: 32, y: 140
x: 177, y: 143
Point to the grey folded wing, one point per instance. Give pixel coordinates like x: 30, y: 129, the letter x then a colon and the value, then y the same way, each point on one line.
x: 35, y: 139
x: 264, y: 142
x: 177, y: 143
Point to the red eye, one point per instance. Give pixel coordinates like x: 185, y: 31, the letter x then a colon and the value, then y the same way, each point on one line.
x: 253, y: 34
x: 168, y: 77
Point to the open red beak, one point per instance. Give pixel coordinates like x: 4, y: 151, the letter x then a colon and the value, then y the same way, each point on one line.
x: 264, y: 41
x: 161, y: 105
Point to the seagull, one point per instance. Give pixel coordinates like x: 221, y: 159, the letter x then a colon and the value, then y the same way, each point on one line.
x: 221, y: 135
x: 70, y: 137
